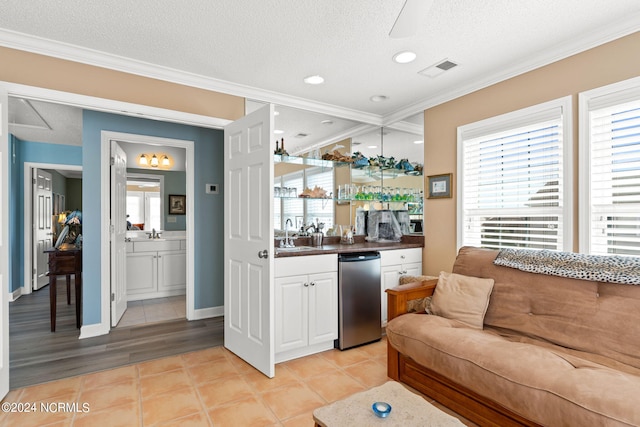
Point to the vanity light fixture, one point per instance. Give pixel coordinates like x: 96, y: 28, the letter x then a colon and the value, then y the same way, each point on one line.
x: 155, y: 160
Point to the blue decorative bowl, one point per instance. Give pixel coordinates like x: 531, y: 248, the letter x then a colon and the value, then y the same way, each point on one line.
x: 381, y: 409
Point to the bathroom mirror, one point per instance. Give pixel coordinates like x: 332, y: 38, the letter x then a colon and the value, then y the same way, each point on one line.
x: 145, y: 201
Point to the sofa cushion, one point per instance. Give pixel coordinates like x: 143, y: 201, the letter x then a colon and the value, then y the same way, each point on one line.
x: 591, y: 317
x: 542, y: 384
x: 462, y: 298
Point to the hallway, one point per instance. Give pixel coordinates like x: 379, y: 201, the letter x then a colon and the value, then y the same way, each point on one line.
x: 37, y: 355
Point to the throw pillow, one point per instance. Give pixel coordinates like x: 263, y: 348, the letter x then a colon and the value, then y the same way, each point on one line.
x: 462, y: 298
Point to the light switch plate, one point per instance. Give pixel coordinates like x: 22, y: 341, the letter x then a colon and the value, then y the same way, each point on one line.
x: 212, y: 189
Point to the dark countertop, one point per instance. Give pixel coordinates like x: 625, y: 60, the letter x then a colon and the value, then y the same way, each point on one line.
x: 333, y: 246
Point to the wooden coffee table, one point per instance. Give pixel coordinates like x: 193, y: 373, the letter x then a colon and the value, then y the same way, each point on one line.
x: 407, y: 409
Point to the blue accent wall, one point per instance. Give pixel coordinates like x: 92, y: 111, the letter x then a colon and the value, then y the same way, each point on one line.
x: 34, y: 152
x: 209, y: 209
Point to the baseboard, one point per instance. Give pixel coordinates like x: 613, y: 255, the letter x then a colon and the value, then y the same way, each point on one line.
x: 16, y: 294
x: 206, y: 313
x: 95, y: 330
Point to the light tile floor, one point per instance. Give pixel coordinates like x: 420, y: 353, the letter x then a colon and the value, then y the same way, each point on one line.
x: 204, y: 388
x: 154, y: 310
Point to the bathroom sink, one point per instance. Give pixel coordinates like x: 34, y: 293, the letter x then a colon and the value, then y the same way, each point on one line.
x: 296, y: 249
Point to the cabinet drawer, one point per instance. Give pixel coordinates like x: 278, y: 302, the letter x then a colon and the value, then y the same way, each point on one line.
x: 297, y: 265
x: 155, y: 246
x: 400, y: 256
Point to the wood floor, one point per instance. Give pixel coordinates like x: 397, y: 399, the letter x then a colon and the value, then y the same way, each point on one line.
x: 38, y: 355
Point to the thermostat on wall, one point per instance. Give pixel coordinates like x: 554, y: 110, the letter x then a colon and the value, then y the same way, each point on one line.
x: 212, y: 189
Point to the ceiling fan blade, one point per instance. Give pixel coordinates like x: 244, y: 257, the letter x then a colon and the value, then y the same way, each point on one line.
x: 412, y: 15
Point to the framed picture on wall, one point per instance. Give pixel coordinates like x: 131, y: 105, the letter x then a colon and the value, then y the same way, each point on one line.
x: 177, y: 204
x: 439, y: 186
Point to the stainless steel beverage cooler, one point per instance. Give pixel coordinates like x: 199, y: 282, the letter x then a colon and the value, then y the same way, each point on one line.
x: 359, y: 318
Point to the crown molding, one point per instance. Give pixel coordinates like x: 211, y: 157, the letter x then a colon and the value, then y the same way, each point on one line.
x: 590, y: 40
x: 29, y: 43
x: 66, y: 51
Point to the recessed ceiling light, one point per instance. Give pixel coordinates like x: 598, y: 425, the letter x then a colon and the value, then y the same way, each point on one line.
x: 327, y: 122
x: 372, y: 146
x: 379, y: 98
x: 404, y: 57
x: 278, y: 132
x: 314, y: 80
x: 418, y: 142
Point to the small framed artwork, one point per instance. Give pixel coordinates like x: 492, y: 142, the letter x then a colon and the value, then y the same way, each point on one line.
x: 439, y: 186
x: 177, y: 204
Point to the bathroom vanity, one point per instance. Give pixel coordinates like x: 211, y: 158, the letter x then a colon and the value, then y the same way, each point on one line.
x: 156, y: 267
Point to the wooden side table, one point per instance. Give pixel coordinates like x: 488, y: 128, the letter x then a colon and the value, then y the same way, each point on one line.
x: 65, y: 262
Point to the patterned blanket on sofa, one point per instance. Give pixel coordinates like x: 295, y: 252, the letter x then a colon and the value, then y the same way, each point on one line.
x: 598, y: 268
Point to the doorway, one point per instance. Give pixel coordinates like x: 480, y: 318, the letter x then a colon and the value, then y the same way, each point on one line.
x: 35, y: 218
x: 160, y: 260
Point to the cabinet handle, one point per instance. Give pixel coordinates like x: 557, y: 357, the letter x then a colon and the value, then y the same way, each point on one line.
x: 313, y: 283
x: 402, y: 257
x: 306, y: 285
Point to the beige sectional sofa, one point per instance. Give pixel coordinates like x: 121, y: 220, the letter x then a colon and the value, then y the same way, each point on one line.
x: 550, y: 350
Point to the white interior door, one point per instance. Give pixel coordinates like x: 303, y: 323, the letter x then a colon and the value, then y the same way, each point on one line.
x: 42, y: 225
x: 118, y: 232
x: 4, y: 245
x: 248, y: 244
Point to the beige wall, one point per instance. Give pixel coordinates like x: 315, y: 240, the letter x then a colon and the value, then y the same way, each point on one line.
x: 606, y: 64
x: 67, y: 76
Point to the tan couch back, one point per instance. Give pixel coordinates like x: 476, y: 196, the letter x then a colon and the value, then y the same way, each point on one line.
x: 595, y: 317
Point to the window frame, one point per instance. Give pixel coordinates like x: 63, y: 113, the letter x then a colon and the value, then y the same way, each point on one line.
x: 603, y: 97
x: 512, y: 120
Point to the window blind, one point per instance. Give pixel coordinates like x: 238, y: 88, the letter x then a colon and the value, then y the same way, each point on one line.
x: 512, y: 184
x: 614, y: 179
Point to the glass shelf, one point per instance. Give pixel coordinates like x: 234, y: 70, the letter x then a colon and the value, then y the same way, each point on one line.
x: 278, y: 158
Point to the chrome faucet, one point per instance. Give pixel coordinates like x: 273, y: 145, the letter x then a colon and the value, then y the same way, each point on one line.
x: 288, y: 243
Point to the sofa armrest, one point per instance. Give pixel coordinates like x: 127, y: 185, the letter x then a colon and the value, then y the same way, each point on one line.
x: 397, y: 297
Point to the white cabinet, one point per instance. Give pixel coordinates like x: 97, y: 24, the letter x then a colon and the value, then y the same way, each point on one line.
x: 306, y: 305
x: 396, y: 263
x: 156, y: 273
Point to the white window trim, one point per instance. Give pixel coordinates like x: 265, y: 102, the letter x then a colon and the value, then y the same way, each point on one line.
x: 512, y: 120
x: 626, y: 90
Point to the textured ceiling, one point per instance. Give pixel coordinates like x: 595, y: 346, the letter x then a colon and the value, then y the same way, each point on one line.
x: 270, y: 46
x: 263, y: 49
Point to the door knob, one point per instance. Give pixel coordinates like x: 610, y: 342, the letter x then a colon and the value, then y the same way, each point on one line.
x: 263, y: 254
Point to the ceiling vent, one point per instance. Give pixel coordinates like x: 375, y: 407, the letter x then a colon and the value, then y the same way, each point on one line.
x: 302, y: 135
x: 436, y: 69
